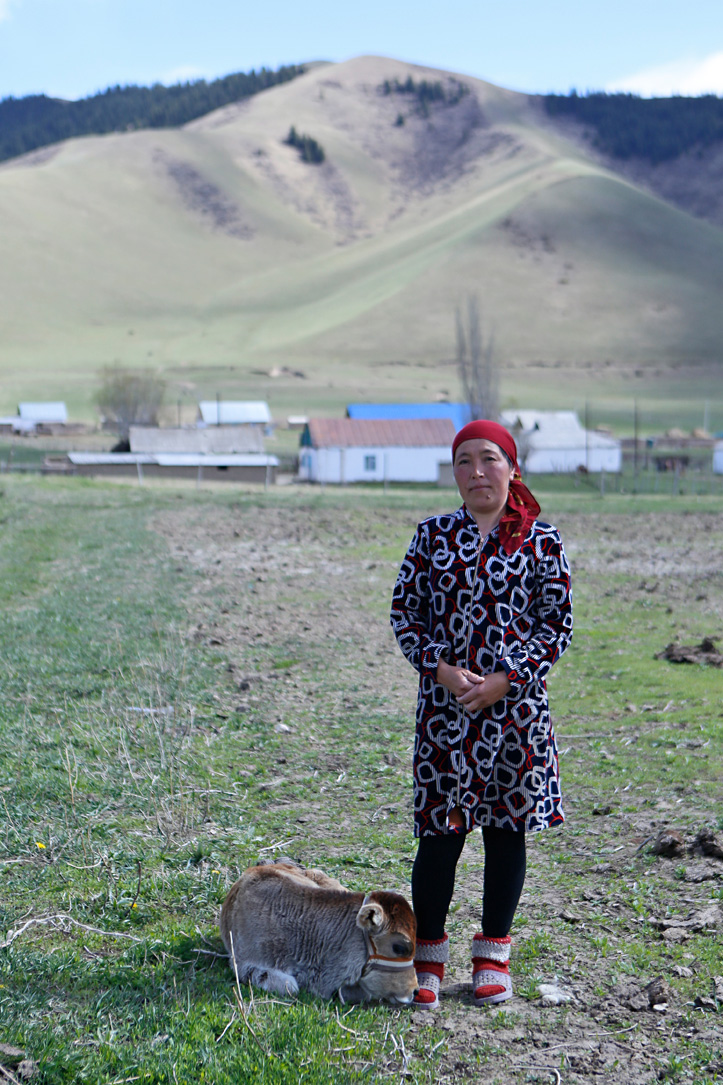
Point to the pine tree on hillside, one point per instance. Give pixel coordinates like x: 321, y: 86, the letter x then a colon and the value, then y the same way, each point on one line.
x: 36, y: 121
x: 308, y: 148
x: 426, y: 93
x: 657, y: 129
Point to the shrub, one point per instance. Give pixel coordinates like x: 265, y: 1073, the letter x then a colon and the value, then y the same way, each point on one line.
x: 130, y: 397
x: 308, y: 148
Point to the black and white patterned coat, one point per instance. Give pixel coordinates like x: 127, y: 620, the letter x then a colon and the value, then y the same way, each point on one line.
x: 499, y: 765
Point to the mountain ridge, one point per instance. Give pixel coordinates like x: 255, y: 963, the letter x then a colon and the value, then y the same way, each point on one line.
x: 39, y: 120
x: 215, y: 245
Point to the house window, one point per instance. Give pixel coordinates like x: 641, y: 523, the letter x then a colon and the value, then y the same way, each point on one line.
x: 370, y: 463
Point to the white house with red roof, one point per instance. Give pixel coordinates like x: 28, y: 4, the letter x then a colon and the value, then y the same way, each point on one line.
x: 344, y: 450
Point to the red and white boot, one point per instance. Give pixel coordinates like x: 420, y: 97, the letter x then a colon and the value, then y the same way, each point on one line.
x: 491, y: 980
x: 430, y: 958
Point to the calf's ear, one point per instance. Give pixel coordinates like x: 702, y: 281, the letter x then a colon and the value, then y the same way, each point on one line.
x: 370, y: 916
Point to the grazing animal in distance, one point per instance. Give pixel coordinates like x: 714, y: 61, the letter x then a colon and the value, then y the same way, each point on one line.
x: 288, y: 928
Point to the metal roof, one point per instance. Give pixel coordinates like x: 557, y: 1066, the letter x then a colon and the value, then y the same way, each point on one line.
x: 234, y: 412
x: 233, y: 459
x: 43, y: 412
x: 458, y: 412
x: 555, y: 429
x: 20, y: 425
x: 205, y: 440
x: 249, y: 459
x: 109, y: 457
x: 379, y: 432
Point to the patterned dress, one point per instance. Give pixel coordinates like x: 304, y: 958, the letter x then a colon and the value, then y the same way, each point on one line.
x: 500, y: 764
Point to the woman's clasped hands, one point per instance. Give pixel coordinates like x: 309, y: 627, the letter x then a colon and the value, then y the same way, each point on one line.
x: 474, y: 691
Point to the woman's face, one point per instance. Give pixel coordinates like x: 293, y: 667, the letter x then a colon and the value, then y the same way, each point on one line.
x: 483, y: 475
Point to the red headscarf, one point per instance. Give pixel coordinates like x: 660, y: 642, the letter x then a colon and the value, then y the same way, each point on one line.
x: 522, y: 508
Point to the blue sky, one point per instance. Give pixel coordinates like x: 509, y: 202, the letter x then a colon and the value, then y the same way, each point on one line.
x: 71, y: 48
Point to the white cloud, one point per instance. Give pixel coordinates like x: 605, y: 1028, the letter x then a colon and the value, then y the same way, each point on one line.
x: 689, y: 76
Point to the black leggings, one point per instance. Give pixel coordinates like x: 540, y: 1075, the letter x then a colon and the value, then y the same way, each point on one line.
x: 433, y: 880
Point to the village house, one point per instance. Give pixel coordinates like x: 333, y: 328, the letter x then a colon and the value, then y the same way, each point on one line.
x: 555, y: 442
x: 235, y: 412
x: 226, y: 453
x: 346, y: 450
x: 13, y: 423
x: 40, y: 418
x: 718, y: 458
x: 238, y: 467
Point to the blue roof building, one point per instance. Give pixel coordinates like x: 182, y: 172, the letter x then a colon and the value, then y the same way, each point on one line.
x: 457, y: 412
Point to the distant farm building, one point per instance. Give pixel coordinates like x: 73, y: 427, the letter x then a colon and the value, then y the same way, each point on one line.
x: 41, y: 418
x: 211, y: 440
x: 13, y: 423
x: 226, y: 453
x: 44, y: 413
x: 220, y: 412
x: 674, y: 451
x: 718, y: 457
x: 345, y: 450
x: 238, y: 467
x: 459, y: 413
x: 556, y: 442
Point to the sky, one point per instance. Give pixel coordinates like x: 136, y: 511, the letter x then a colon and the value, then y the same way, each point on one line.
x: 73, y: 48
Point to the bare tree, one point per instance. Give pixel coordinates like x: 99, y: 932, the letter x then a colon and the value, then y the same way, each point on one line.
x: 129, y: 397
x: 476, y: 364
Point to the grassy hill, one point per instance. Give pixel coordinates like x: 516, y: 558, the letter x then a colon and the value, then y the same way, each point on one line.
x: 215, y: 253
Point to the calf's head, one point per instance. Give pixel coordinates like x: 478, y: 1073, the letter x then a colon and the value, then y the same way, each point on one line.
x: 389, y: 929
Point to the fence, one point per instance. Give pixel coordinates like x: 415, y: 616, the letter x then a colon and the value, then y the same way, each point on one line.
x: 663, y: 450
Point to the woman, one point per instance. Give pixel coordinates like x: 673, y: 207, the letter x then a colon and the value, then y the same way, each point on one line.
x: 482, y: 609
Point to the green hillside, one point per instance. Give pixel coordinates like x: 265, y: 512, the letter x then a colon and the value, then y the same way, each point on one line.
x: 216, y: 254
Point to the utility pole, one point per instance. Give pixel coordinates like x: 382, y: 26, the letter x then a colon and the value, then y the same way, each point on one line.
x: 635, y: 446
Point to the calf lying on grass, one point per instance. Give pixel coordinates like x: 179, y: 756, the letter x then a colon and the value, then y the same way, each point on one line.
x: 289, y: 928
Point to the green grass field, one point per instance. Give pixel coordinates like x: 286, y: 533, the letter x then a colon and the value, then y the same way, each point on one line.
x: 192, y: 679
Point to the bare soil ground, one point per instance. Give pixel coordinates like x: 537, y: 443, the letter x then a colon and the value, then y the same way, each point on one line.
x: 296, y: 597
